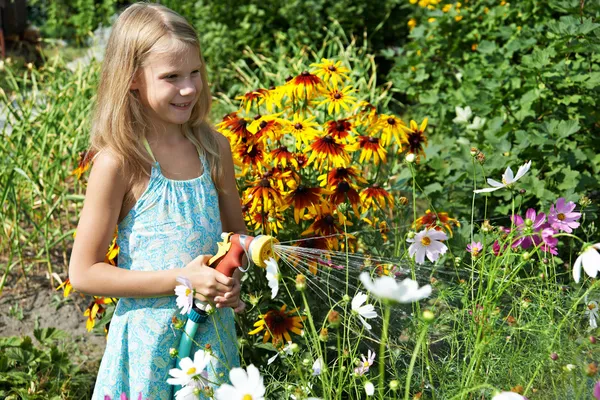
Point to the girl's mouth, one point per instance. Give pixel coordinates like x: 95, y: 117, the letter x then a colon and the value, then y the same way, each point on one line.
x: 182, y: 106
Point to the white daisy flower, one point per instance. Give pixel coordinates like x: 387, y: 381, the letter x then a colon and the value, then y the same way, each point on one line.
x: 185, y: 294
x: 287, y: 350
x: 507, y: 178
x: 363, y: 311
x: 189, y: 370
x: 272, y: 276
x: 592, y: 313
x: 427, y: 243
x: 590, y: 260
x: 246, y: 384
x: 386, y: 287
x: 369, y: 389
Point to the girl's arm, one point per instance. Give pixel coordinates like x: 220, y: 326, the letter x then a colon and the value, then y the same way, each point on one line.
x: 89, y: 273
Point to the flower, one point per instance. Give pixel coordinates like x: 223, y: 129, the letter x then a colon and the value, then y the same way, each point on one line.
x: 507, y: 178
x: 509, y: 396
x: 304, y: 85
x: 437, y: 221
x: 245, y: 385
x: 562, y: 217
x: 589, y: 259
x: 85, y: 159
x: 369, y: 389
x: 96, y: 308
x: 371, y: 147
x: 303, y: 198
x: 416, y: 138
x: 185, y: 294
x: 336, y: 99
x: 187, y: 393
x: 366, y: 363
x: 363, y: 311
x: 330, y: 71
x: 191, y: 371
x: 475, y: 248
x: 463, y: 115
x: 386, y: 287
x: 374, y: 195
x: 597, y: 390
x: 287, y: 350
x: 272, y: 276
x: 592, y: 313
x: 477, y: 124
x: 278, y: 323
x: 392, y: 126
x: 327, y: 151
x: 317, y: 366
x: 427, y: 243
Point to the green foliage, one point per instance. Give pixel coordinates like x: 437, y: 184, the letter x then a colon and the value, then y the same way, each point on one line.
x: 71, y: 19
x: 46, y: 370
x: 531, y: 69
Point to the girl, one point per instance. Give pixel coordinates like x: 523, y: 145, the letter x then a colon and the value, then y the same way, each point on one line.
x: 166, y: 177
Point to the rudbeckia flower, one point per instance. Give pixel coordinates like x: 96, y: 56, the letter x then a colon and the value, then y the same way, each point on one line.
x: 96, y: 308
x: 85, y: 160
x: 303, y: 199
x: 371, y: 147
x: 304, y: 130
x: 245, y: 385
x: 330, y: 71
x: 341, y: 130
x: 437, y: 221
x: 267, y: 126
x: 427, y: 243
x: 278, y: 323
x: 345, y: 191
x: 282, y: 156
x: 304, y: 86
x: 336, y: 99
x: 264, y: 194
x: 234, y: 128
x: 416, y: 139
x: 256, y: 96
x: 392, y: 126
x: 341, y: 174
x: 507, y: 179
x: 327, y: 151
x: 327, y: 222
x: 589, y: 259
x: 375, y: 194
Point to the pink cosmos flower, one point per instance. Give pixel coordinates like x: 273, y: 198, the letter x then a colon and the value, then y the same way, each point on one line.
x: 562, y: 217
x: 549, y: 240
x: 475, y: 248
x: 363, y: 366
x: 597, y: 390
x: 427, y: 243
x: 123, y: 397
x: 533, y: 223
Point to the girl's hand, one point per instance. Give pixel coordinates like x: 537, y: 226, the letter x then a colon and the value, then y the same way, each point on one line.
x: 208, y: 282
x: 232, y: 298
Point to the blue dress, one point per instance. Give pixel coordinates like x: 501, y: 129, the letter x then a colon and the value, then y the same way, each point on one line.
x: 172, y: 223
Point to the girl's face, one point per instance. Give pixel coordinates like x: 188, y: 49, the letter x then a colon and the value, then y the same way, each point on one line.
x: 169, y: 85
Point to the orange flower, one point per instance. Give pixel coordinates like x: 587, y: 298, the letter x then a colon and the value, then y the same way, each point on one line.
x: 416, y: 138
x: 251, y: 153
x: 262, y: 193
x: 437, y: 221
x: 327, y: 151
x: 235, y: 128
x: 340, y: 130
x: 267, y: 126
x: 282, y: 156
x: 367, y: 115
x: 319, y: 243
x: 304, y: 199
x: 85, y: 159
x: 66, y: 287
x: 96, y: 309
x: 345, y: 190
x: 375, y: 194
x: 277, y: 325
x: 256, y: 96
x: 341, y: 174
x: 371, y: 147
x: 304, y: 86
x: 327, y: 222
x: 270, y: 221
x: 113, y: 251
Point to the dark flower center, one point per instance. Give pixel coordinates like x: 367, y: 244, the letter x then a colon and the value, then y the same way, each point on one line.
x: 289, y: 78
x: 298, y: 126
x: 343, y: 186
x: 264, y: 183
x: 329, y: 139
x: 305, y: 73
x: 263, y: 124
x: 337, y: 96
x: 257, y: 117
x: 332, y: 68
x: 329, y: 220
x: 391, y: 121
x: 373, y: 139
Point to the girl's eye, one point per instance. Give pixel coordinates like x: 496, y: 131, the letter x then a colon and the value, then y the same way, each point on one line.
x: 195, y: 72
x: 173, y: 76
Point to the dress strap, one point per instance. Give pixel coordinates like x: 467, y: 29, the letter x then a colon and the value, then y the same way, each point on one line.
x: 147, y: 146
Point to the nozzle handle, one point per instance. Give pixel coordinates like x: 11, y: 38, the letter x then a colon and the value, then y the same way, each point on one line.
x: 228, y: 263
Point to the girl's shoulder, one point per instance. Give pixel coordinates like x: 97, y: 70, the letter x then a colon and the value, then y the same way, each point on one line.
x: 108, y: 173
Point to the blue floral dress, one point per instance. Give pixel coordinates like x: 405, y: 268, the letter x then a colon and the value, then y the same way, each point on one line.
x: 172, y: 223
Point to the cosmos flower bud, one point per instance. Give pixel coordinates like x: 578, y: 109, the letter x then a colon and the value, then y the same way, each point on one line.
x: 173, y: 352
x: 394, y: 385
x: 300, y: 282
x: 324, y: 335
x: 410, y: 158
x: 410, y: 234
x: 474, y: 151
x: 428, y: 316
x: 334, y: 318
x: 403, y: 201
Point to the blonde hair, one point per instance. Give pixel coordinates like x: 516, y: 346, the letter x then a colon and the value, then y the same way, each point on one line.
x: 119, y: 122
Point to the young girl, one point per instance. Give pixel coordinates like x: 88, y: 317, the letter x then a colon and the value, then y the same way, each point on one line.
x: 166, y: 177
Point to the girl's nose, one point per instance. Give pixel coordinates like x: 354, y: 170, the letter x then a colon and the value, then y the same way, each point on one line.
x: 188, y: 88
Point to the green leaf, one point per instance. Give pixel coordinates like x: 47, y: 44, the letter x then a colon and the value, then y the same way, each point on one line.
x: 432, y: 188
x: 569, y: 179
x: 430, y: 97
x: 487, y: 47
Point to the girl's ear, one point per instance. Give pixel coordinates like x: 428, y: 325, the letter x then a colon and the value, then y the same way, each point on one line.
x: 135, y: 83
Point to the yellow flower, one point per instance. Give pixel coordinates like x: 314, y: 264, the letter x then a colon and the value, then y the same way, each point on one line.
x: 331, y: 72
x: 416, y: 139
x: 278, y: 324
x: 256, y: 96
x: 262, y: 192
x: 304, y: 198
x: 412, y: 23
x: 304, y: 85
x: 458, y: 18
x: 327, y: 151
x: 304, y: 130
x: 96, y: 308
x: 371, y: 147
x: 392, y: 126
x: 375, y: 194
x: 430, y: 20
x: 85, y: 159
x: 437, y: 221
x: 447, y: 8
x: 336, y: 99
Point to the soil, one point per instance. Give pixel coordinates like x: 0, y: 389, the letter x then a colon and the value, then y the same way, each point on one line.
x: 25, y: 304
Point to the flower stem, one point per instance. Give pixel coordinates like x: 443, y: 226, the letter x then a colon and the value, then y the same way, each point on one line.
x: 412, y: 362
x: 384, y: 336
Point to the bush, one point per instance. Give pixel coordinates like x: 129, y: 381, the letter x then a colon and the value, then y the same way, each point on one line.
x: 530, y: 73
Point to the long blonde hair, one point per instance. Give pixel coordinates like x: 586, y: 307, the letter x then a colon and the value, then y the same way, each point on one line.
x: 119, y: 123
